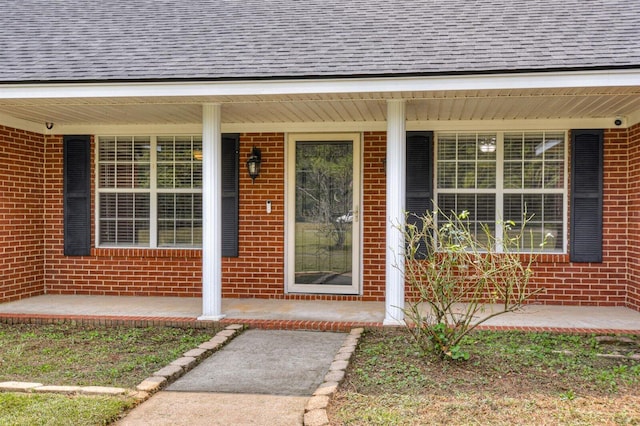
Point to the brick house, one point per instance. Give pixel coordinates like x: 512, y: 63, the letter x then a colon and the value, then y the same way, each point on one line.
x: 124, y: 143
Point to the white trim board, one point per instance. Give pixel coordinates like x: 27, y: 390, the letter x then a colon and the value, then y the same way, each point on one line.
x: 313, y: 127
x: 566, y: 79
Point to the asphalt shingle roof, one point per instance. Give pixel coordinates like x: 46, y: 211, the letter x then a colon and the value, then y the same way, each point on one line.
x: 89, y: 40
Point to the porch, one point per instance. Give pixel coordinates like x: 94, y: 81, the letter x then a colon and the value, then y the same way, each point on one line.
x: 300, y: 314
x: 265, y: 222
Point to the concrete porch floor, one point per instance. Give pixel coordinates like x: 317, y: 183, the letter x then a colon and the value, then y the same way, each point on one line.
x: 251, y: 310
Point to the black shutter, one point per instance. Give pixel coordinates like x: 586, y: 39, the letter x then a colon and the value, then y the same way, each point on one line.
x: 77, y: 195
x: 419, y: 181
x: 230, y: 198
x: 586, y: 195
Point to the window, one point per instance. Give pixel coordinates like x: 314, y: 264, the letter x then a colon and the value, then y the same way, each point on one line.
x: 179, y: 191
x: 503, y: 176
x: 150, y: 191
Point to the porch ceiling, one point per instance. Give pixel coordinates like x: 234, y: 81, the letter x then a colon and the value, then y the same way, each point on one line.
x: 513, y: 104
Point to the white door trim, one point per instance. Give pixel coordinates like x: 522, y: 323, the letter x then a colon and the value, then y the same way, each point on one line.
x: 290, y: 222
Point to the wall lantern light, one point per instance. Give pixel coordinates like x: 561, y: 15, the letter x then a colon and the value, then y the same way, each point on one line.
x: 253, y: 163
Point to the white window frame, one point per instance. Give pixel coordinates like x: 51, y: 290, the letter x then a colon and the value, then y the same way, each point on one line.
x: 500, y: 191
x: 153, y: 192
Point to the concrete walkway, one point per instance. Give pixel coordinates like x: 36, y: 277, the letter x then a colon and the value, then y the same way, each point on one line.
x: 262, y: 377
x: 272, y: 362
x: 217, y: 409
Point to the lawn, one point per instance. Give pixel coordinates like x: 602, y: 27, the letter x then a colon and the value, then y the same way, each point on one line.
x: 58, y: 410
x: 63, y: 354
x: 511, y: 378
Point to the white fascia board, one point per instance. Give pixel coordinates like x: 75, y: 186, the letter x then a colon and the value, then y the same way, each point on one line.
x: 613, y: 78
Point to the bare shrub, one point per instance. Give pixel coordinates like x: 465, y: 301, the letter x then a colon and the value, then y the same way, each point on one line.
x: 456, y: 272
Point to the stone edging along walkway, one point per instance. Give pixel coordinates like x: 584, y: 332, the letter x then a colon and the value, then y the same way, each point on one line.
x: 315, y: 409
x: 148, y: 386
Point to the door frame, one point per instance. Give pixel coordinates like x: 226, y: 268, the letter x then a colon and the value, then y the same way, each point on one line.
x: 290, y: 221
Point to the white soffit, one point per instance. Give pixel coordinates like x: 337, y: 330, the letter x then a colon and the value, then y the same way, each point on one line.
x: 363, y: 108
x: 482, y: 105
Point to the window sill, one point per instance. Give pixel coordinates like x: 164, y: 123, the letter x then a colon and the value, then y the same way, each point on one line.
x: 138, y: 252
x: 549, y: 257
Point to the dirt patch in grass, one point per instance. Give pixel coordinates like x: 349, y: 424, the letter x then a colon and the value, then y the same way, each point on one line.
x: 63, y: 354
x: 511, y: 378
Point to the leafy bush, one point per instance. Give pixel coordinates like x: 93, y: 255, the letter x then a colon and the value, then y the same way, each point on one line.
x: 455, y: 273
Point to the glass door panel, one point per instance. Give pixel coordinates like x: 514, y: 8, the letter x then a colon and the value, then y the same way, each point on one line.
x: 325, y: 225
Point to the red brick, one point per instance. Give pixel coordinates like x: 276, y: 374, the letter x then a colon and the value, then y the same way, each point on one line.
x: 31, y: 232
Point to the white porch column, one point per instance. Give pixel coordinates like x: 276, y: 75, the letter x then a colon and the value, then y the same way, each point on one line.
x: 396, y: 148
x: 211, y: 213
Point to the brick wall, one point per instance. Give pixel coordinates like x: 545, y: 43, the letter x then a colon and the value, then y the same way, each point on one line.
x: 29, y: 230
x: 374, y: 213
x: 21, y: 214
x: 633, y: 286
x: 605, y: 283
x: 117, y: 272
x: 258, y: 271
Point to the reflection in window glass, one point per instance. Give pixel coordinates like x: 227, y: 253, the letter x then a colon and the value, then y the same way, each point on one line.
x: 179, y: 219
x: 179, y: 162
x: 534, y: 160
x: 532, y: 182
x: 481, y: 208
x: 126, y: 187
x: 466, y: 161
x: 124, y: 219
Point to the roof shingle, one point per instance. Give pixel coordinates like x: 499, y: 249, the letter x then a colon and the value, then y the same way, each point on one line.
x: 89, y: 40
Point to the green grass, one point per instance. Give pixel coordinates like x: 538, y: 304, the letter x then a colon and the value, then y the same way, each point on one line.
x: 63, y: 354
x: 511, y: 378
x: 91, y: 356
x: 41, y: 409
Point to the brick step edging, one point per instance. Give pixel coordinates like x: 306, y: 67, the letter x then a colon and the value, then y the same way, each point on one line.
x: 192, y: 322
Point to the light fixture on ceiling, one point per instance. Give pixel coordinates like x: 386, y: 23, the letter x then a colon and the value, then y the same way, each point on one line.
x: 488, y: 145
x: 48, y: 125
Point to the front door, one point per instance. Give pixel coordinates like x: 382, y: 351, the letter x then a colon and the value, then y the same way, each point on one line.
x: 323, y: 224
